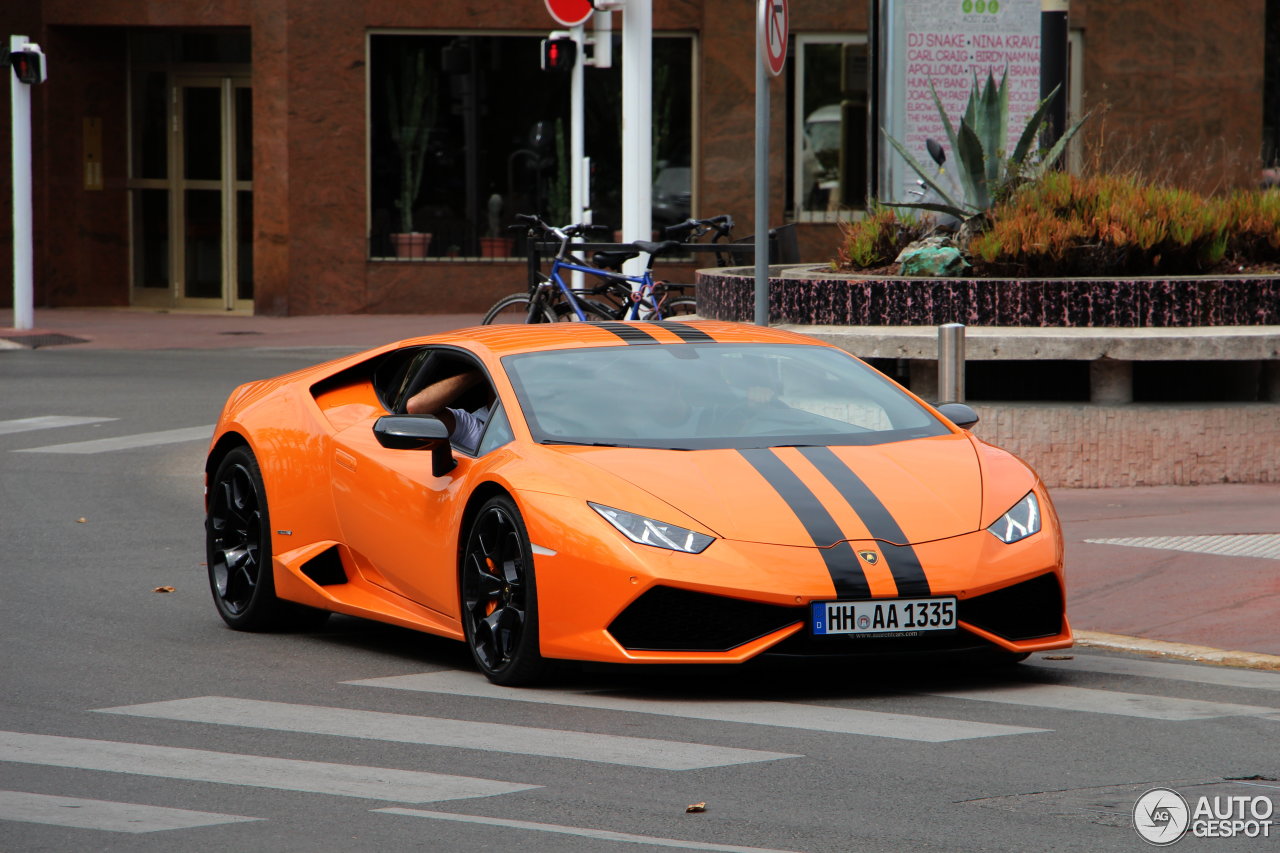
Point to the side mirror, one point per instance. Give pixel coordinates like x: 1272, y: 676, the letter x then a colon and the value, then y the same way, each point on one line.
x: 417, y: 432
x: 959, y: 414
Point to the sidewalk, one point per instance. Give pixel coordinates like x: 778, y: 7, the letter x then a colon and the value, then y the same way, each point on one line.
x: 1205, y: 573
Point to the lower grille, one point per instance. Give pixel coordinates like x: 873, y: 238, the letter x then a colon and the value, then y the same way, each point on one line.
x: 1025, y: 611
x: 668, y: 619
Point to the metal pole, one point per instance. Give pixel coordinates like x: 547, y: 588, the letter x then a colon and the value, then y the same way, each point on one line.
x: 951, y: 363
x: 762, y: 176
x: 576, y: 144
x: 1053, y: 66
x: 637, y: 126
x: 23, y: 253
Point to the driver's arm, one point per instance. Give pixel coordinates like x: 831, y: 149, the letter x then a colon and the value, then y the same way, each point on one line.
x: 433, y: 399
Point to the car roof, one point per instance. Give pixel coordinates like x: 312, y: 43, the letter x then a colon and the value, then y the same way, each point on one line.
x: 505, y: 340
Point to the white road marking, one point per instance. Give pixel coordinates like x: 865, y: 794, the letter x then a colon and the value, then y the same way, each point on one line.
x: 1066, y: 698
x: 581, y: 831
x: 790, y: 715
x: 461, y: 734
x: 1263, y: 545
x: 255, y: 771
x: 127, y: 442
x: 1219, y: 675
x: 47, y: 422
x: 103, y: 814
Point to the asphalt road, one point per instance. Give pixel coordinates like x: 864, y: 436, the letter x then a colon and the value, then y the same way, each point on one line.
x: 132, y: 719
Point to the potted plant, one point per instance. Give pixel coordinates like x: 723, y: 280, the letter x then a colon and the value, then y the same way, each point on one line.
x: 410, y: 92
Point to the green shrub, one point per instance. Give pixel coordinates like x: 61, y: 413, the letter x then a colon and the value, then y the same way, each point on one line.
x: 1064, y: 225
x: 876, y: 240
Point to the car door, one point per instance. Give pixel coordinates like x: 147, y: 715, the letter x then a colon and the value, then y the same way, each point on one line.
x: 399, y: 520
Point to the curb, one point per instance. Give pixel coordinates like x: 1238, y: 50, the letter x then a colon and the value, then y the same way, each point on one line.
x: 1177, y: 651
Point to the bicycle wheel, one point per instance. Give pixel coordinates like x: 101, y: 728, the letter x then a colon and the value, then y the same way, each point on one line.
x: 515, y: 309
x: 679, y: 306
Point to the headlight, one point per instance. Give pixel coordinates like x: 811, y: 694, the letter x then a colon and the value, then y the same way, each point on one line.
x: 647, y: 531
x: 1019, y: 522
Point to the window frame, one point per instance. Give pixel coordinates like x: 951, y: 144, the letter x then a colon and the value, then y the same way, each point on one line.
x: 695, y: 116
x: 798, y: 211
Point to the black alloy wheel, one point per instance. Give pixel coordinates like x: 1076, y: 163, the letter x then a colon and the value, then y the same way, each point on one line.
x: 238, y: 549
x: 499, y: 599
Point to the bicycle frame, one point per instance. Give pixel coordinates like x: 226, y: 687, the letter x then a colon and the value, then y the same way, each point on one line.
x: 642, y: 287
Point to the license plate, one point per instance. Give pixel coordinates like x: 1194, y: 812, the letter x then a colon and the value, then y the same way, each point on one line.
x: 898, y: 616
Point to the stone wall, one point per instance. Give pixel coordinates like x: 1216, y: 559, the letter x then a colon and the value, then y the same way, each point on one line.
x: 1083, y: 446
x: 810, y: 295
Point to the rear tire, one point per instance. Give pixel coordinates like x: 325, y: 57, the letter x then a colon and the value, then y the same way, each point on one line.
x: 679, y: 306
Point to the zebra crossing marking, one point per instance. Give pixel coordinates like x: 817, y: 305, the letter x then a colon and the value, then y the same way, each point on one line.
x: 1063, y: 697
x: 105, y: 815
x: 255, y: 771
x: 581, y: 831
x: 1261, y: 545
x: 820, y: 718
x: 1217, y: 675
x: 436, y: 731
x: 127, y: 442
x: 47, y: 422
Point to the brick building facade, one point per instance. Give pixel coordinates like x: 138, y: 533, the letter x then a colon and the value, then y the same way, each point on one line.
x: 244, y: 156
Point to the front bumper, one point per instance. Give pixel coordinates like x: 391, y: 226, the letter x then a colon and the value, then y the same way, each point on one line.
x: 603, y: 598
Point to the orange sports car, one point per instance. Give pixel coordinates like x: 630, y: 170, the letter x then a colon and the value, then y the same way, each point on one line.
x: 628, y: 492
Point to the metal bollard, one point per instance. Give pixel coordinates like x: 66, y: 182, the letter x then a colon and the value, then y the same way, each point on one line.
x: 951, y: 363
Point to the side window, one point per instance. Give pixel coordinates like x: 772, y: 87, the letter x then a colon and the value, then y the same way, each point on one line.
x: 829, y: 139
x: 498, y: 433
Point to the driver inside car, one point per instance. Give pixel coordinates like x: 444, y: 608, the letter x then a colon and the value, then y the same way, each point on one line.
x: 465, y: 427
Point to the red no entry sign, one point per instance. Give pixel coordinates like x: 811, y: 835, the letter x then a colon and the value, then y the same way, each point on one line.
x: 772, y: 22
x: 569, y: 13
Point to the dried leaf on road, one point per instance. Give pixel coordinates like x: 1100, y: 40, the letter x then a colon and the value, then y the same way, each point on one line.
x: 81, y: 520
x: 163, y: 589
x: 696, y: 807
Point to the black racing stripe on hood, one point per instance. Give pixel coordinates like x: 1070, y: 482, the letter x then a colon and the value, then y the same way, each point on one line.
x: 685, y: 332
x: 842, y: 564
x: 903, y: 562
x: 630, y: 334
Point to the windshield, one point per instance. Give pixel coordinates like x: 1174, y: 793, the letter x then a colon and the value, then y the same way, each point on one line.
x: 694, y: 396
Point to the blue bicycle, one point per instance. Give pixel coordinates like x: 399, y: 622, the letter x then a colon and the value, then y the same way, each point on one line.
x: 613, y: 296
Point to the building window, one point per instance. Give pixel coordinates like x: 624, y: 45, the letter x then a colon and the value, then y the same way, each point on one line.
x: 465, y: 132
x: 829, y: 135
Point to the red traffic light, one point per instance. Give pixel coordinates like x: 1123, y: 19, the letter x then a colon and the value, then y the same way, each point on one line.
x: 559, y: 54
x: 28, y: 64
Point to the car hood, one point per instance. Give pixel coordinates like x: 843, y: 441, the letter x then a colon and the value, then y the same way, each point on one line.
x: 905, y: 492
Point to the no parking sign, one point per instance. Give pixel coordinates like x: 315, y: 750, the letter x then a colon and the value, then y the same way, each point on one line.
x: 773, y: 25
x: 570, y: 13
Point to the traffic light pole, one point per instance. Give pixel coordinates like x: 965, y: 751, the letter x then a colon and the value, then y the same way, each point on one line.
x: 23, y: 266
x: 637, y: 126
x: 761, y: 314
x: 577, y: 202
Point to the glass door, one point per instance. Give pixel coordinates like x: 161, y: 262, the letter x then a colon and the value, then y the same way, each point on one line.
x: 193, y: 228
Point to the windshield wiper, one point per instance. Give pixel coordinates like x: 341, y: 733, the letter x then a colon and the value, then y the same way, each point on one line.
x: 581, y: 443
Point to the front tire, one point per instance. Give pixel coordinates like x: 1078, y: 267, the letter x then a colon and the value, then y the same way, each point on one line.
x: 238, y: 551
x: 515, y: 309
x: 499, y: 596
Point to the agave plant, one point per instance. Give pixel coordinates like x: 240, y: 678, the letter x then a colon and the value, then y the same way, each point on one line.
x: 985, y: 173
